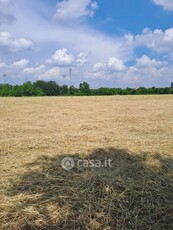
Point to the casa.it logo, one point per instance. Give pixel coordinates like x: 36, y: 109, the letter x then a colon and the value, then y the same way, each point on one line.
x: 67, y: 163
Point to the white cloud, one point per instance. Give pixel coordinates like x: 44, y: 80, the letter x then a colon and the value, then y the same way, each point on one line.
x: 34, y: 70
x: 159, y: 41
x: 99, y: 67
x: 51, y: 73
x: 61, y: 58
x: 68, y: 10
x: 166, y: 4
x: 94, y: 52
x: 145, y: 61
x: 21, y: 64
x: 112, y: 68
x: 6, y: 12
x: 112, y: 65
x: 82, y: 58
x: 146, y: 72
x: 94, y: 5
x: 115, y: 64
x: 2, y: 65
x: 7, y: 44
x: 76, y: 37
x: 147, y: 76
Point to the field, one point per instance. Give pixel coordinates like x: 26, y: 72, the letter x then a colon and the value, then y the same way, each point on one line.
x: 135, y: 132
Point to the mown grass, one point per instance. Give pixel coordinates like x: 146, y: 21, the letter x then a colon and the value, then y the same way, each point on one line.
x: 134, y: 132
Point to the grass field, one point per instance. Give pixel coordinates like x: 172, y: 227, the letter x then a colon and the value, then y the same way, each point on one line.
x: 135, y: 132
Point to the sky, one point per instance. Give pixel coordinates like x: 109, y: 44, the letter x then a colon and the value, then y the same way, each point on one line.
x: 107, y: 43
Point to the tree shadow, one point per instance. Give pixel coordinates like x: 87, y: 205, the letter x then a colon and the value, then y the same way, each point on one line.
x: 136, y: 192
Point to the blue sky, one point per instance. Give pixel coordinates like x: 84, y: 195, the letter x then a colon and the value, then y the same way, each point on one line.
x: 127, y: 43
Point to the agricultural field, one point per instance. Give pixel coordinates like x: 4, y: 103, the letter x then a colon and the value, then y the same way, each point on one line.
x: 135, y: 132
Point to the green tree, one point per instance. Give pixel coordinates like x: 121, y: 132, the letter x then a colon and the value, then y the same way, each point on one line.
x: 5, y: 90
x: 84, y: 88
x: 72, y: 90
x: 50, y: 88
x: 64, y: 90
x: 17, y: 91
x: 28, y: 89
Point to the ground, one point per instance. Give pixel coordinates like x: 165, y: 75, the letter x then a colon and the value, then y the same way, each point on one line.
x: 136, y: 132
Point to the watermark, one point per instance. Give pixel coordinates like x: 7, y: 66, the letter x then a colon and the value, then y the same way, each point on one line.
x: 69, y: 163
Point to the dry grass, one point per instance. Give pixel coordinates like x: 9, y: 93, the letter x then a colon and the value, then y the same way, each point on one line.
x: 136, y: 132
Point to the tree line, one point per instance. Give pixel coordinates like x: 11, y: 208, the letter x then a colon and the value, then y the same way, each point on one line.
x: 51, y: 88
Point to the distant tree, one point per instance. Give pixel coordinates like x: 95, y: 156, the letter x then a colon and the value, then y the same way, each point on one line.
x: 94, y: 92
x: 72, y: 90
x: 17, y: 91
x: 50, y: 88
x: 64, y: 90
x: 141, y: 90
x: 5, y: 90
x: 28, y: 89
x: 40, y: 84
x: 104, y: 91
x: 84, y: 88
x: 171, y: 90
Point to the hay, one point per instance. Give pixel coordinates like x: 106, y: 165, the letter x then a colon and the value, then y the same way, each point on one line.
x: 130, y: 195
x: 135, y: 193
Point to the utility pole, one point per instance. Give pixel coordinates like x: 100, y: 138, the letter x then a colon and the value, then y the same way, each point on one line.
x: 70, y: 75
x: 5, y: 78
x: 64, y: 76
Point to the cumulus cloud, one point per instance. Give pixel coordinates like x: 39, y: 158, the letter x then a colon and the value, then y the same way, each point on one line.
x: 145, y: 72
x: 115, y: 64
x: 112, y: 68
x: 54, y: 72
x: 82, y: 58
x: 21, y: 64
x: 158, y: 41
x: 145, y: 61
x: 61, y: 58
x: 94, y: 52
x: 166, y: 4
x: 76, y: 37
x: 34, y: 70
x: 99, y: 67
x: 147, y: 76
x: 68, y: 10
x: 6, y: 12
x: 8, y: 44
